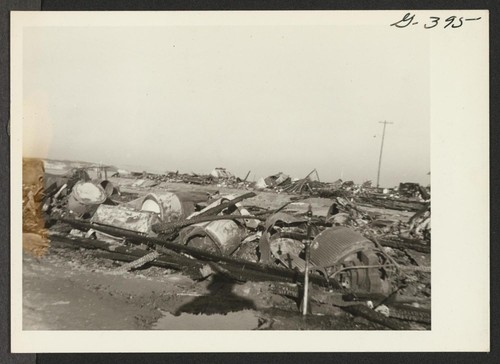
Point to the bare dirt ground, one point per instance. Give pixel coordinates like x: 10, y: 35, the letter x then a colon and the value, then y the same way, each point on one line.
x: 74, y: 290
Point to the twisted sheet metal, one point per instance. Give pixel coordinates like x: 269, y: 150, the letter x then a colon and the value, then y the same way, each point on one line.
x: 333, y: 244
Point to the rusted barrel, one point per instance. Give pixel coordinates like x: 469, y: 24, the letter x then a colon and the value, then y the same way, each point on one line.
x: 219, y: 237
x: 85, y: 197
x: 169, y: 206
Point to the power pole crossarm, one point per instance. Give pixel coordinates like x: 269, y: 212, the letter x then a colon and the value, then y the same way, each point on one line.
x: 381, y: 149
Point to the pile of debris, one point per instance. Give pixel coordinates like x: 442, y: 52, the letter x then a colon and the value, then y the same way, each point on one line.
x: 348, y: 257
x: 407, y: 197
x: 176, y: 177
x: 219, y: 176
x: 274, y: 182
x: 282, y: 182
x: 308, y: 186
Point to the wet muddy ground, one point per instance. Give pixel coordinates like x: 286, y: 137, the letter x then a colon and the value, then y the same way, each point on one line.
x: 74, y: 290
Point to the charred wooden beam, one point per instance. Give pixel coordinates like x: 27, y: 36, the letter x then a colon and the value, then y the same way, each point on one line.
x: 126, y: 253
x: 409, y: 313
x: 376, y: 317
x: 172, y: 228
x: 244, y: 267
x: 404, y: 243
x: 394, y: 204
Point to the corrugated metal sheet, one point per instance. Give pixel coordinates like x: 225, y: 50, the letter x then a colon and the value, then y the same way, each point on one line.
x: 333, y: 244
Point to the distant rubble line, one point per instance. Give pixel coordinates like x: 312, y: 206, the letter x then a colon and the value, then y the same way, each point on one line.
x: 123, y: 168
x: 72, y: 163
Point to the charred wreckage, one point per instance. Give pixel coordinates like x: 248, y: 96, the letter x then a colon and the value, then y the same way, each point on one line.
x: 350, y: 258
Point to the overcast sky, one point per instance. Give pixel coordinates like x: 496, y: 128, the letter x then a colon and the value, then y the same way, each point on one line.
x: 265, y: 99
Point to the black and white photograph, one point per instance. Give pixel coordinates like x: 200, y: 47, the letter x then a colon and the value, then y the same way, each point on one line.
x: 236, y: 171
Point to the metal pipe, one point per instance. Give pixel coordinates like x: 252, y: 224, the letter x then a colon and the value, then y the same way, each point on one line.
x: 307, y: 244
x: 306, y: 280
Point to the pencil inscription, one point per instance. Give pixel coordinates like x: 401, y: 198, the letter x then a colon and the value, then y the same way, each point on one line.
x: 432, y: 21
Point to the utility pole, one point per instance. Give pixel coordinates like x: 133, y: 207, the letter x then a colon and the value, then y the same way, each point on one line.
x: 381, y: 148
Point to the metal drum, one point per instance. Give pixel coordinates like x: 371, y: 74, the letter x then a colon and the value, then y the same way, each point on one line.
x: 85, y: 197
x: 169, y: 206
x: 219, y: 237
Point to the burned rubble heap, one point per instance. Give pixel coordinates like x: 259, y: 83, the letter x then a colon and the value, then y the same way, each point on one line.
x: 355, y: 257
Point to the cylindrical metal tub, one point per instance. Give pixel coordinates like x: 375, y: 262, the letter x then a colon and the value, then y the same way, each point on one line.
x: 219, y: 237
x: 85, y: 197
x: 169, y: 206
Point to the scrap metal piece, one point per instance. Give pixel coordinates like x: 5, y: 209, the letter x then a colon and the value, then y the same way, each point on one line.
x: 248, y: 248
x: 278, y: 218
x: 351, y: 258
x: 287, y: 252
